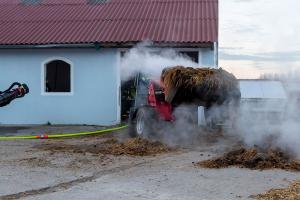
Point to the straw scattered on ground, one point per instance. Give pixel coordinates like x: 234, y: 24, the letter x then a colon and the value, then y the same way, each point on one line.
x: 253, y: 159
x: 111, y: 146
x: 290, y: 193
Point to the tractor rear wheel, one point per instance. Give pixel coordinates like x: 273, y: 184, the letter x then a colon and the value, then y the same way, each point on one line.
x: 144, y: 123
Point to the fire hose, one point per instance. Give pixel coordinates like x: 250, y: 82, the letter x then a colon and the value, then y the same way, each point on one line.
x: 63, y: 135
x: 18, y: 90
x: 15, y: 91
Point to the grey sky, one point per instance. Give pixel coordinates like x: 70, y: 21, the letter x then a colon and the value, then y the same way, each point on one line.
x: 259, y: 36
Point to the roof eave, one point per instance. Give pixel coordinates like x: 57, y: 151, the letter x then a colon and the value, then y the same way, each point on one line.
x: 109, y: 45
x: 45, y: 46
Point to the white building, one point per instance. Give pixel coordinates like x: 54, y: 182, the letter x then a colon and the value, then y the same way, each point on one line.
x: 68, y: 52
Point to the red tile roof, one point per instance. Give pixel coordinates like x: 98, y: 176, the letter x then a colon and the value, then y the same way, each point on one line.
x: 117, y: 21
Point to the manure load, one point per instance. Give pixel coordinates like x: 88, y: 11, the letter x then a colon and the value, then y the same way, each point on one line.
x: 204, y: 86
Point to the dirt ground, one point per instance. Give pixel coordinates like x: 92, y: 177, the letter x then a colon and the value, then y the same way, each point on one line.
x: 112, y: 167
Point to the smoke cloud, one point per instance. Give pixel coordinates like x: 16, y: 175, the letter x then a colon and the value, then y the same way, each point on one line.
x: 274, y: 125
x: 151, y: 61
x: 270, y: 123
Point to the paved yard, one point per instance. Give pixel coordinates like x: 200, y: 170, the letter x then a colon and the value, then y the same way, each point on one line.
x: 30, y: 172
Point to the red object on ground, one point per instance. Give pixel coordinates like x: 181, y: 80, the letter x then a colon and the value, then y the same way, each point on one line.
x: 43, y: 136
x: 163, y: 108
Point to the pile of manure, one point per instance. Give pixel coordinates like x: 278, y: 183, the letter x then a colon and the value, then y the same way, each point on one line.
x: 290, y: 193
x: 137, y: 147
x: 111, y: 146
x: 253, y: 159
x: 187, y: 84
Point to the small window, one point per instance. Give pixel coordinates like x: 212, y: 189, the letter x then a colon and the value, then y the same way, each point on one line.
x: 123, y: 53
x: 98, y: 1
x: 57, y: 76
x: 193, y: 55
x: 31, y: 2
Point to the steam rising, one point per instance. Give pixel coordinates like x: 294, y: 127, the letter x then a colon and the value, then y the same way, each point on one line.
x: 276, y: 126
x: 269, y: 128
x: 151, y: 61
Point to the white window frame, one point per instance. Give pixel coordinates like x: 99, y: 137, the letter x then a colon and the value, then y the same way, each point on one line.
x: 43, y: 77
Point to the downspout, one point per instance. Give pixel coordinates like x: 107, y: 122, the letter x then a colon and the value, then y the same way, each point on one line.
x: 216, y: 54
x: 216, y: 44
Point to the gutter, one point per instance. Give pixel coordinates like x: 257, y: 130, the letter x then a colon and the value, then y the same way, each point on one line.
x: 49, y: 46
x: 97, y: 45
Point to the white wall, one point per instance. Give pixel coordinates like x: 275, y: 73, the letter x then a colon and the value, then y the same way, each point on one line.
x: 95, y: 99
x: 208, y: 57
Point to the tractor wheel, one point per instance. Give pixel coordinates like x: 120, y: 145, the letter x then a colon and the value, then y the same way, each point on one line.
x: 143, y: 124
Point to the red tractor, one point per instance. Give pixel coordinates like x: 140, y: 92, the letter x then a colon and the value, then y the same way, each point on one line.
x: 151, y: 108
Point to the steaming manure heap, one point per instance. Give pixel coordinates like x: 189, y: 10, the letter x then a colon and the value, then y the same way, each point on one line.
x: 253, y: 159
x: 209, y: 86
x: 111, y: 146
x: 137, y: 147
x: 290, y: 193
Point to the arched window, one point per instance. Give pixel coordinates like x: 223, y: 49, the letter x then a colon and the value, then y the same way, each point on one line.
x: 57, y: 77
